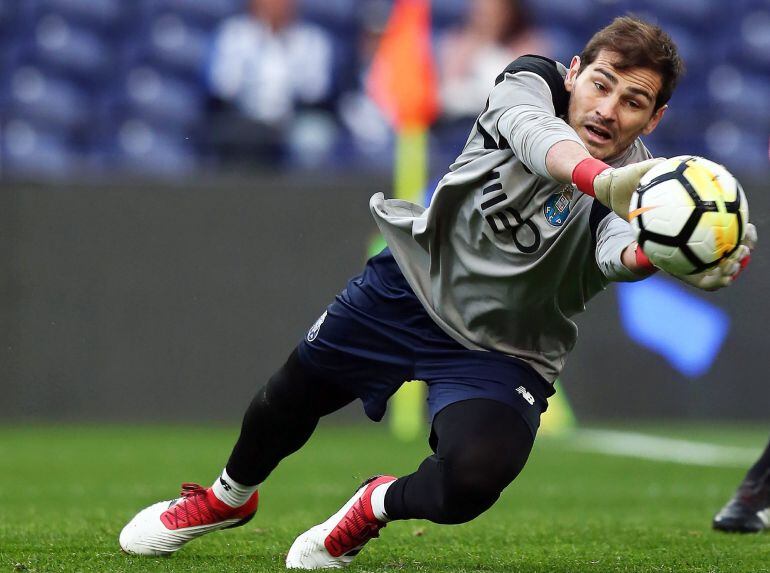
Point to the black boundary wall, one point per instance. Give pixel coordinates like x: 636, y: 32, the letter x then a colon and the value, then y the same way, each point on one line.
x: 153, y: 302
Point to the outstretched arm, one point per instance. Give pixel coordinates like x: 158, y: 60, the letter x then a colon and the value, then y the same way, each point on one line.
x: 563, y: 157
x: 567, y: 161
x: 634, y: 259
x: 724, y: 274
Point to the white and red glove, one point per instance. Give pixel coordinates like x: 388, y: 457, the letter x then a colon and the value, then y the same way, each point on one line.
x: 725, y: 273
x: 612, y: 186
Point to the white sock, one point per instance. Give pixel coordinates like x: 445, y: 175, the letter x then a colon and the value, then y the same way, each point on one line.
x: 378, y: 502
x: 229, y: 491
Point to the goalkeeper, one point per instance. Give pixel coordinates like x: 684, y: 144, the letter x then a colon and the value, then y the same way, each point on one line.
x: 475, y: 295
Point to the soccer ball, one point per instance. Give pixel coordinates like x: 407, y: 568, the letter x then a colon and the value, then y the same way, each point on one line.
x: 688, y: 214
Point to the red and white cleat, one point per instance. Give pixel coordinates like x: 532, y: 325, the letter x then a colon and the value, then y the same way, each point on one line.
x: 335, y: 542
x: 164, y: 527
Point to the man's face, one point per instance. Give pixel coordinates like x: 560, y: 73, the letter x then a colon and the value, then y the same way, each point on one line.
x: 610, y: 108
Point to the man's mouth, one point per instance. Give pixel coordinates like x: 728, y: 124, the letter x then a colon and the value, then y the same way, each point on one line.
x: 600, y: 133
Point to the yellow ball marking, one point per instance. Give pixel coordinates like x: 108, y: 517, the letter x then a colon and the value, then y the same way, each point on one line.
x: 724, y: 227
x: 706, y: 184
x: 709, y: 188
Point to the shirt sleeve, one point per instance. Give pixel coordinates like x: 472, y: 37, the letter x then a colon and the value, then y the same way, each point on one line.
x: 521, y: 114
x: 611, y: 235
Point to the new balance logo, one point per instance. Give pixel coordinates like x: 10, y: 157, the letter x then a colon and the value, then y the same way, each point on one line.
x: 226, y: 486
x: 313, y: 332
x: 526, y: 395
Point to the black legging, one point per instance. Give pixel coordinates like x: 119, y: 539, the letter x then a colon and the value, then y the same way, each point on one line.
x: 480, y: 446
x: 280, y: 419
x: 761, y: 468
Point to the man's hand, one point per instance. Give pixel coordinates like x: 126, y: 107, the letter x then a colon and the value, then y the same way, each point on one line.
x: 725, y: 273
x: 612, y: 186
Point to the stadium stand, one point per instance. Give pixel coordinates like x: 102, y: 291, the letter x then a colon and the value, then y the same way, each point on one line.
x: 93, y: 86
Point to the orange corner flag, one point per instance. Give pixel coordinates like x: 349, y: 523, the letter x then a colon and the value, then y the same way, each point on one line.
x: 403, y: 78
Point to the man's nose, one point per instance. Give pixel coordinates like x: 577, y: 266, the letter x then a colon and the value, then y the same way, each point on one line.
x: 607, y: 109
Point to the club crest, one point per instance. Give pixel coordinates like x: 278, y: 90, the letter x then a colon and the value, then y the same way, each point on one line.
x: 556, y: 208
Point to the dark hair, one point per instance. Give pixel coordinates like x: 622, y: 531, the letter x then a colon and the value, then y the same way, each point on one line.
x: 638, y: 44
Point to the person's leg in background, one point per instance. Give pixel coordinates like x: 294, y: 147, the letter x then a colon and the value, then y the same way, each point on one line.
x: 748, y: 511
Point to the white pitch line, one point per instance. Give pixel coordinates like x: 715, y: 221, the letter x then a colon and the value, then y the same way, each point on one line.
x: 656, y: 448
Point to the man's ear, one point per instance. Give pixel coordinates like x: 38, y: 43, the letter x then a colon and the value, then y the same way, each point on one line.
x: 654, y: 120
x: 574, y: 68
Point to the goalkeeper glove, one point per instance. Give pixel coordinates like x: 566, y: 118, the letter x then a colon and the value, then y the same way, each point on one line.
x: 612, y: 186
x: 725, y: 273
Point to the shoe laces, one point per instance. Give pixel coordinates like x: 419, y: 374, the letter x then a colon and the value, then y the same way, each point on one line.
x: 193, y: 508
x: 354, y: 530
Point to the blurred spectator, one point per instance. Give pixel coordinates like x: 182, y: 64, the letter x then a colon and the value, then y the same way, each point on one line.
x: 109, y: 84
x: 494, y: 33
x: 371, y: 136
x: 266, y: 67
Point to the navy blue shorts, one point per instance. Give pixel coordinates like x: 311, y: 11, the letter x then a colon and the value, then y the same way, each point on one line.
x: 376, y: 335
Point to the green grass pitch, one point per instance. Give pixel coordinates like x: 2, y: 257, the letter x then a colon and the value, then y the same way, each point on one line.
x: 65, y: 493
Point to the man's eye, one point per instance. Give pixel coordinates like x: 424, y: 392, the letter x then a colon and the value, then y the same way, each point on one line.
x: 634, y: 104
x: 599, y: 86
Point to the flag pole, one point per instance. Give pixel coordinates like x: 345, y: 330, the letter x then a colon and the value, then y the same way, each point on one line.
x: 402, y: 81
x: 407, y: 410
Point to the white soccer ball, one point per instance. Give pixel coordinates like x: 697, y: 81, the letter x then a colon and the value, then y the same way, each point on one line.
x: 688, y: 214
